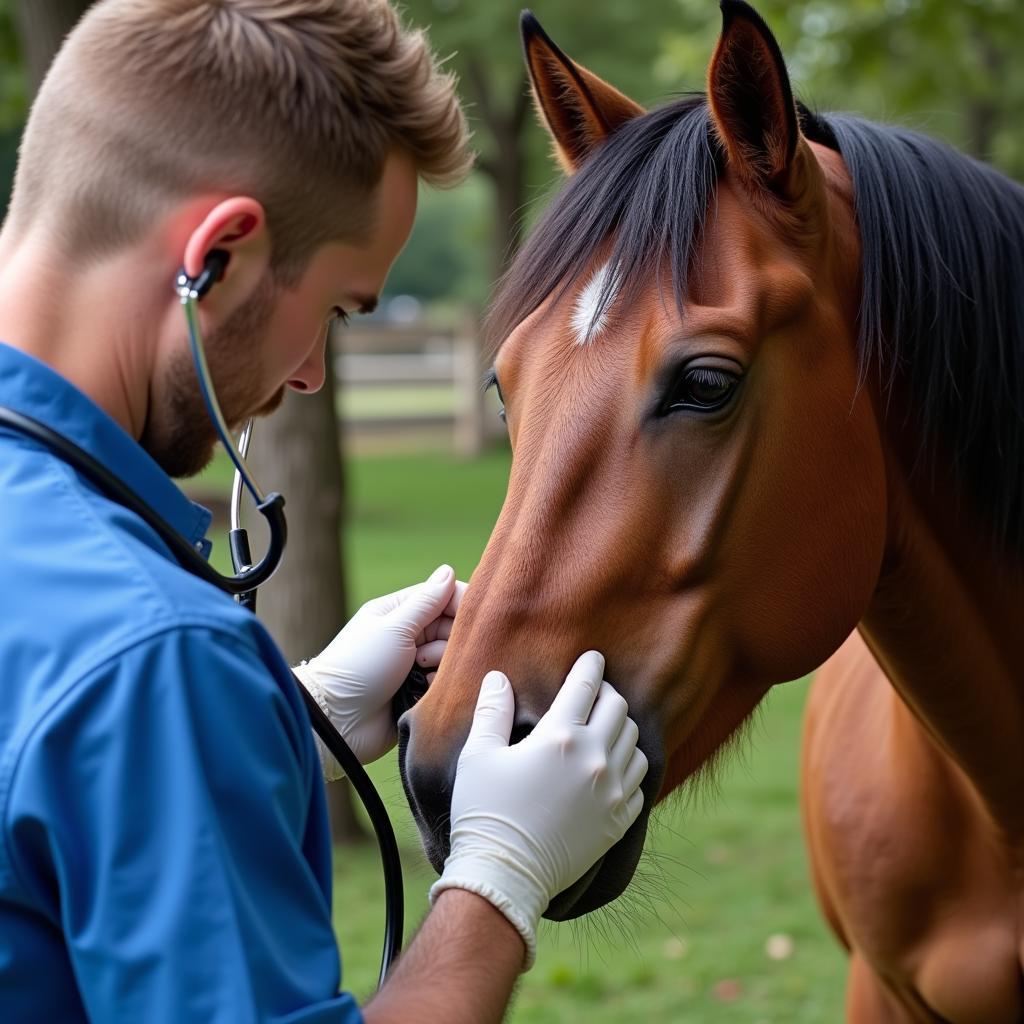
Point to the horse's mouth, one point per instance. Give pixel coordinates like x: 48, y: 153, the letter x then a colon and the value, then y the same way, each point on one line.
x: 603, y: 882
x: 568, y: 903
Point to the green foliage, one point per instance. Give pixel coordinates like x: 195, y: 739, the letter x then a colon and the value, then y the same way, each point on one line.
x: 441, y: 261
x: 480, y: 40
x: 480, y: 43
x: 13, y: 100
x: 620, y: 41
x: 13, y: 88
x: 949, y: 68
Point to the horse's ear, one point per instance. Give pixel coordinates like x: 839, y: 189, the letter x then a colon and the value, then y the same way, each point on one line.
x: 751, y: 100
x: 579, y: 109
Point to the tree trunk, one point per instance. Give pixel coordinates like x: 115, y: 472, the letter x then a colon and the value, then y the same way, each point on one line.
x: 509, y: 197
x: 42, y: 26
x: 505, y: 164
x: 296, y: 452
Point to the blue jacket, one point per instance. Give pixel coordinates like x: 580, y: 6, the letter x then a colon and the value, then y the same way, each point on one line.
x: 164, y: 846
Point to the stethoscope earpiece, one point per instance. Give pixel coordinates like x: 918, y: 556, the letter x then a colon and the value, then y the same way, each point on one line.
x: 214, y: 265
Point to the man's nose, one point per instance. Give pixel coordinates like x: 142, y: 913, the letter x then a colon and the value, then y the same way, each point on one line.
x: 309, y: 377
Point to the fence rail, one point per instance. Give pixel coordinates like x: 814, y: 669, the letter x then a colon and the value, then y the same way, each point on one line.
x: 405, y: 379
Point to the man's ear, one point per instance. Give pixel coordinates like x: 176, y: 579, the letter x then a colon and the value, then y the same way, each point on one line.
x: 579, y: 109
x: 751, y: 101
x: 239, y: 227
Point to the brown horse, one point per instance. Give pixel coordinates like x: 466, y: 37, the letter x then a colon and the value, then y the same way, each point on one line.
x: 763, y: 373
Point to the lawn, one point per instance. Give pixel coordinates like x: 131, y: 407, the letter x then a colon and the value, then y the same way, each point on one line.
x: 389, y: 402
x: 729, y: 930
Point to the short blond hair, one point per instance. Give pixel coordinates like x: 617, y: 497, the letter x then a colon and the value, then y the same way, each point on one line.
x: 295, y: 102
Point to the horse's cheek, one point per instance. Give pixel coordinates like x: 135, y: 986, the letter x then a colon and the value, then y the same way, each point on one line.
x: 819, y: 544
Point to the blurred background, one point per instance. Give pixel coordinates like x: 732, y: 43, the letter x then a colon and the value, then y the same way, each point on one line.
x: 400, y: 463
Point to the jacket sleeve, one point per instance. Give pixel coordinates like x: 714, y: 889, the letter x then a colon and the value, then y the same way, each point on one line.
x: 164, y: 817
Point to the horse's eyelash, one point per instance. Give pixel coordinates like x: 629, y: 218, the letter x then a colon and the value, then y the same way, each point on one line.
x: 705, y: 374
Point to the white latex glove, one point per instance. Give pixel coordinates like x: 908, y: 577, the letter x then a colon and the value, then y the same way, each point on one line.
x: 354, y: 679
x: 530, y: 819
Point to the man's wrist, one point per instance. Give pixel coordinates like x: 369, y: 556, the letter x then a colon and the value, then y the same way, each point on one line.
x: 464, y: 946
x: 470, y: 904
x: 504, y: 884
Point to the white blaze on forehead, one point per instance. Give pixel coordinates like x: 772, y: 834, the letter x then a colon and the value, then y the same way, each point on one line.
x: 585, y: 320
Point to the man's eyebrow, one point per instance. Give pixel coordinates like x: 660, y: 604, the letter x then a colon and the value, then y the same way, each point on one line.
x: 367, y: 303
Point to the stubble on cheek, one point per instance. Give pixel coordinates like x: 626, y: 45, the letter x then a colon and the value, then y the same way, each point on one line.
x: 179, y: 433
x: 272, y: 405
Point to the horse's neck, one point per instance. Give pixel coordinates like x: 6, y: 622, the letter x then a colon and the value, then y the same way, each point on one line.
x: 946, y: 624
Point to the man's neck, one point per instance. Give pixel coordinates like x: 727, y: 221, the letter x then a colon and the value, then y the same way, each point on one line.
x: 92, y: 324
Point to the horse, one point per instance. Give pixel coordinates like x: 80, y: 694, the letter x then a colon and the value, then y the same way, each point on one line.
x: 762, y: 370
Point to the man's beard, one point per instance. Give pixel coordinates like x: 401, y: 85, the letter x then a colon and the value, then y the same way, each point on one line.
x: 179, y: 433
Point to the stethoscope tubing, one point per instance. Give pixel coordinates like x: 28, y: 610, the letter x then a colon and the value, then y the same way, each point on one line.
x: 190, y: 293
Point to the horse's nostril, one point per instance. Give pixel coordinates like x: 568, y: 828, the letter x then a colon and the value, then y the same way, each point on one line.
x: 521, y: 728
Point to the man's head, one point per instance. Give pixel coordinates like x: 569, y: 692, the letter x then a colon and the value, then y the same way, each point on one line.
x: 291, y: 134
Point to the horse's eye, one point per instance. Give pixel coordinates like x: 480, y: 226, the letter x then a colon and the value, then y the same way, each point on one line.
x: 703, y: 389
x: 491, y: 381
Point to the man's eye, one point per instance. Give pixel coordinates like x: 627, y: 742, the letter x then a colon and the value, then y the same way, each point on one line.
x: 338, y: 315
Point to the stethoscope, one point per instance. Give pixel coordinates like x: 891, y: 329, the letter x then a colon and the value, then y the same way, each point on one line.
x: 248, y: 576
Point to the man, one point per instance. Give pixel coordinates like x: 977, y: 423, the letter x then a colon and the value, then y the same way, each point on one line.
x: 165, y: 854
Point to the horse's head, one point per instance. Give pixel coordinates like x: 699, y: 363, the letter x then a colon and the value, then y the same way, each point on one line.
x: 697, y: 486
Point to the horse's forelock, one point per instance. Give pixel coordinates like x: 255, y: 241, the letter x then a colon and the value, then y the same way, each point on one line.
x: 640, y: 198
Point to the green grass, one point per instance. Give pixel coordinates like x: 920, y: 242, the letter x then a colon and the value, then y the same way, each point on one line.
x: 390, y: 402
x: 725, y: 874
x: 410, y: 513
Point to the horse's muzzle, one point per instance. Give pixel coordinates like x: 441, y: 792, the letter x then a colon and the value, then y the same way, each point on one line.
x: 428, y: 785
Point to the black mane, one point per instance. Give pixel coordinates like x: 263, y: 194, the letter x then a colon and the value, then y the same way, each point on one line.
x: 942, y: 305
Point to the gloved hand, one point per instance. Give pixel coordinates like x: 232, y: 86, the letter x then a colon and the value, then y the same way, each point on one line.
x: 530, y: 819
x: 354, y: 679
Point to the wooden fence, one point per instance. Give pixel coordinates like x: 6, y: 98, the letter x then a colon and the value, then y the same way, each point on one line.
x: 398, y: 381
